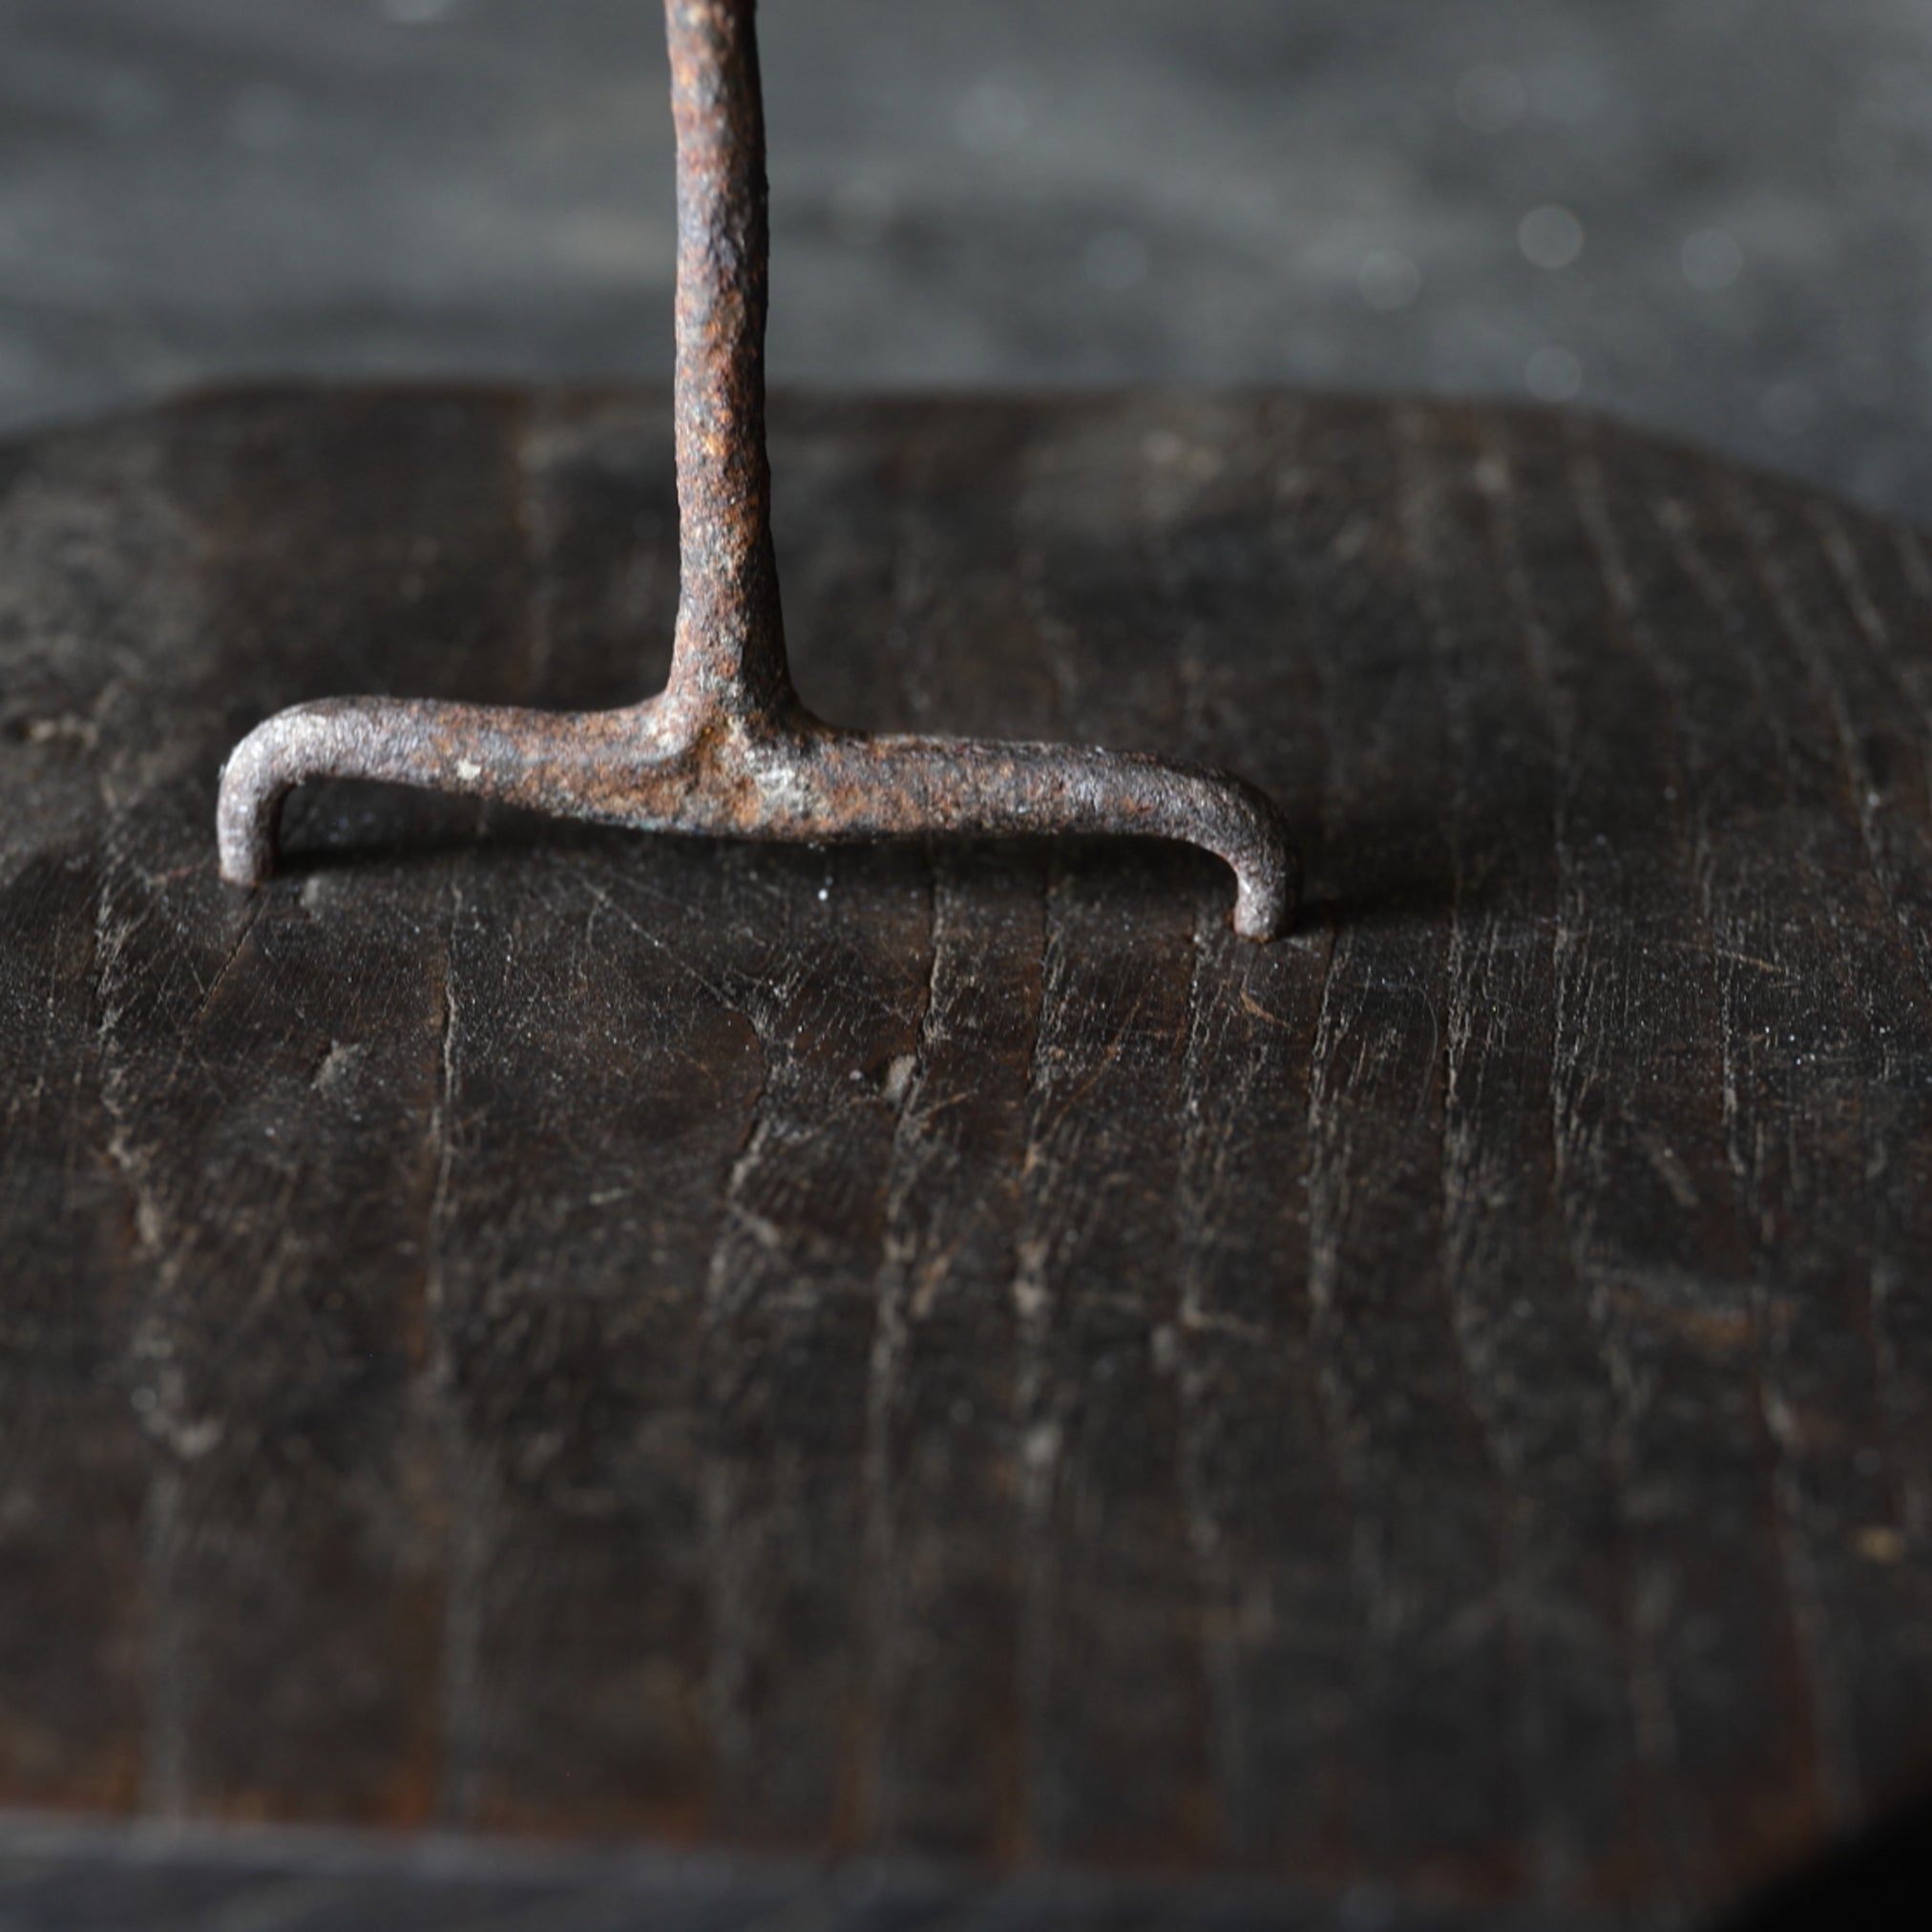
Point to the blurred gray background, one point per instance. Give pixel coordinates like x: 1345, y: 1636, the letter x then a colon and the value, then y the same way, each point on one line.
x: 1711, y: 215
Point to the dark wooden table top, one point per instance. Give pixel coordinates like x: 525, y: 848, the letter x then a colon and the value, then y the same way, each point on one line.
x: 945, y: 1354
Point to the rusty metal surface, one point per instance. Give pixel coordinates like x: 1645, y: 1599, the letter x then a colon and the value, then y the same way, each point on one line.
x: 727, y: 748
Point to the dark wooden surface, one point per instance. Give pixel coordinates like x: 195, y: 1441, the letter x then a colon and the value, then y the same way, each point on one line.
x: 523, y: 1329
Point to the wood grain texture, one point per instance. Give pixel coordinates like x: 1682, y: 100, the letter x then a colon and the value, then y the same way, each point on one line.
x: 907, y: 1352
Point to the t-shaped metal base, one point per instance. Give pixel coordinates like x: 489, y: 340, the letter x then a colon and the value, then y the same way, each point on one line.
x: 727, y: 748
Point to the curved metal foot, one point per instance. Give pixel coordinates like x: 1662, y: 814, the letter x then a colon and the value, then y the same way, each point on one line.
x: 667, y: 767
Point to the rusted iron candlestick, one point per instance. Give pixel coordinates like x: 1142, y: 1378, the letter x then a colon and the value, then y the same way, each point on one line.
x: 726, y: 749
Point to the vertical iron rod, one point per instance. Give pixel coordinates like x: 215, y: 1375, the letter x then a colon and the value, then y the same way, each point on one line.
x: 730, y: 637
